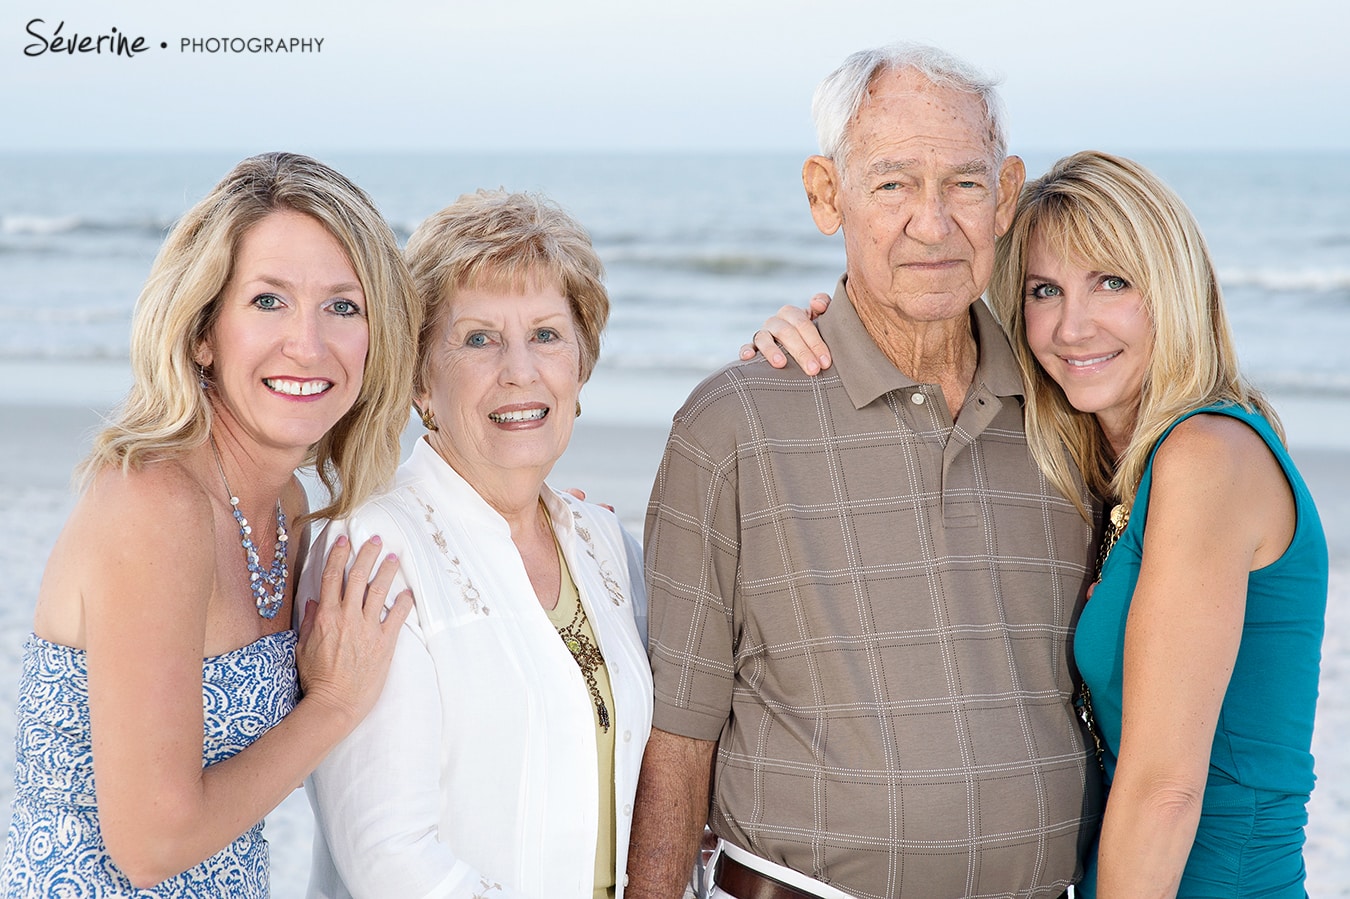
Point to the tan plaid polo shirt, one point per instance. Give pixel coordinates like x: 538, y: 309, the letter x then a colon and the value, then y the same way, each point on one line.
x: 870, y: 610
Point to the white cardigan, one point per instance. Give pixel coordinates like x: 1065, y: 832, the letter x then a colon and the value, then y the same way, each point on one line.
x: 475, y: 774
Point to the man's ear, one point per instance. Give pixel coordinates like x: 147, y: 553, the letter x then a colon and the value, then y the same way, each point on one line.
x: 1010, y: 179
x: 821, y: 178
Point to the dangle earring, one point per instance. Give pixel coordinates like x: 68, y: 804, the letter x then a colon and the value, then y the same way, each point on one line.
x: 202, y: 380
x: 578, y: 408
x: 429, y: 420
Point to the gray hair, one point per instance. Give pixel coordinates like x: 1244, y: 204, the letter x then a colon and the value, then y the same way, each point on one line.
x: 840, y: 96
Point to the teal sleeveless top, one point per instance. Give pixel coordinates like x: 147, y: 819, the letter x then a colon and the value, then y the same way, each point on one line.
x: 1250, y: 838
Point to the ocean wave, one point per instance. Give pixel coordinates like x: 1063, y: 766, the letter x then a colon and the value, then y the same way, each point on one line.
x: 94, y: 352
x: 746, y: 264
x: 52, y: 225
x: 38, y: 224
x: 52, y: 315
x: 1309, y: 280
x: 1311, y: 383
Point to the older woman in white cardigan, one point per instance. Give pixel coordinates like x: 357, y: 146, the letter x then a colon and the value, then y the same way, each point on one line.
x: 502, y: 758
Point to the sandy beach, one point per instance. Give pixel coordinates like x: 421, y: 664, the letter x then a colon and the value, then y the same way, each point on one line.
x: 613, y: 456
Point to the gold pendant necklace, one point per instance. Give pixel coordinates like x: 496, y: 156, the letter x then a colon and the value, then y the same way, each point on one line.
x: 584, y: 651
x: 1116, y: 522
x: 588, y: 659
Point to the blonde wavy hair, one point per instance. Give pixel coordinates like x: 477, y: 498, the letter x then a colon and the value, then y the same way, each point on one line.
x: 1112, y: 214
x: 166, y: 412
x: 492, y: 239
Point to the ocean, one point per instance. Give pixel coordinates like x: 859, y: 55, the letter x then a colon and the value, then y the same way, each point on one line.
x: 698, y: 249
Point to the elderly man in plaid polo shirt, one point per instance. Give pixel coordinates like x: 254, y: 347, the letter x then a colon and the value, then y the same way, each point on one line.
x: 861, y: 586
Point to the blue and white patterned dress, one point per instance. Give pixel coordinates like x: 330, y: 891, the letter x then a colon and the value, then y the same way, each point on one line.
x: 55, y: 848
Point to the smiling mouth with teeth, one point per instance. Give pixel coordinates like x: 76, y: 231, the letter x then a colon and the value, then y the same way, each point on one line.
x: 1081, y: 363
x: 297, y: 388
x: 518, y: 415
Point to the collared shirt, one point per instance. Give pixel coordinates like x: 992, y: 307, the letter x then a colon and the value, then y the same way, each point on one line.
x: 475, y: 772
x: 869, y: 607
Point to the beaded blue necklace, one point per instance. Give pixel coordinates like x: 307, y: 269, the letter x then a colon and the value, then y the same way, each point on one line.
x: 260, y: 581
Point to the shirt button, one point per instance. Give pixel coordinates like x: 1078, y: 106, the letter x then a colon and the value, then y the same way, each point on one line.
x: 917, y: 399
x: 627, y: 811
x: 628, y: 736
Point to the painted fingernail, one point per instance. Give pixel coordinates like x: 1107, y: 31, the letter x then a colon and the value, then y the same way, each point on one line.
x: 376, y: 540
x: 341, y: 541
x: 391, y: 558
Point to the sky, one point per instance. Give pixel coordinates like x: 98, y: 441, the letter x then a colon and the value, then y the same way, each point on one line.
x: 680, y: 75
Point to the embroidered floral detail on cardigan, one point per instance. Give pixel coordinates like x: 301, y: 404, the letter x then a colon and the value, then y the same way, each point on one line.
x: 602, y: 565
x: 467, y: 591
x: 486, y: 886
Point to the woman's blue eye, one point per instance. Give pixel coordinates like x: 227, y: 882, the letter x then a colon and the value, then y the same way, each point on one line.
x: 1044, y: 291
x: 1114, y: 282
x: 267, y: 301
x: 346, y: 308
x: 546, y: 335
x: 477, y: 339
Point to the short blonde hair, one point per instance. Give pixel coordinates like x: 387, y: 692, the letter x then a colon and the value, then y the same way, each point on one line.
x: 496, y: 239
x: 166, y: 412
x: 1112, y: 214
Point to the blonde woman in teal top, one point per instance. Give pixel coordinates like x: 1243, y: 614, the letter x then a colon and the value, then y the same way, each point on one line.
x: 1249, y: 839
x: 1201, y: 641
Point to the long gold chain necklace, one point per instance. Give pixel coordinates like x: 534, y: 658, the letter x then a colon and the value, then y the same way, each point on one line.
x: 579, y: 644
x: 1116, y: 522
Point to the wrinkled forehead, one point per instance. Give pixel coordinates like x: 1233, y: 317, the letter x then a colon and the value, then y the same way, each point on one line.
x: 904, y: 112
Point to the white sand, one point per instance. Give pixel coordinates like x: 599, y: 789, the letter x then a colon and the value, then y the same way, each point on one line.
x: 614, y: 462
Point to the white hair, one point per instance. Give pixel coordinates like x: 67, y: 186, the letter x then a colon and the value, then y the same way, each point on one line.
x: 839, y: 97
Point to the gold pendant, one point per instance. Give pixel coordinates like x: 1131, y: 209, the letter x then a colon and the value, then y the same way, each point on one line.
x: 1120, y: 516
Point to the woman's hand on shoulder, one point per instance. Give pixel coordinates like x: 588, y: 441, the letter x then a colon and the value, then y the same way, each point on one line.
x: 793, y: 329
x: 347, y: 636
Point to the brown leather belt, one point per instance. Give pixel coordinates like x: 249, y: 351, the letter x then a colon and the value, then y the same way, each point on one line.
x: 747, y: 883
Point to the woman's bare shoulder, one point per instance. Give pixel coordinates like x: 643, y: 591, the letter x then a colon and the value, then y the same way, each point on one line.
x: 1215, y: 474
x: 159, y: 495
x: 1212, y: 449
x: 116, y: 543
